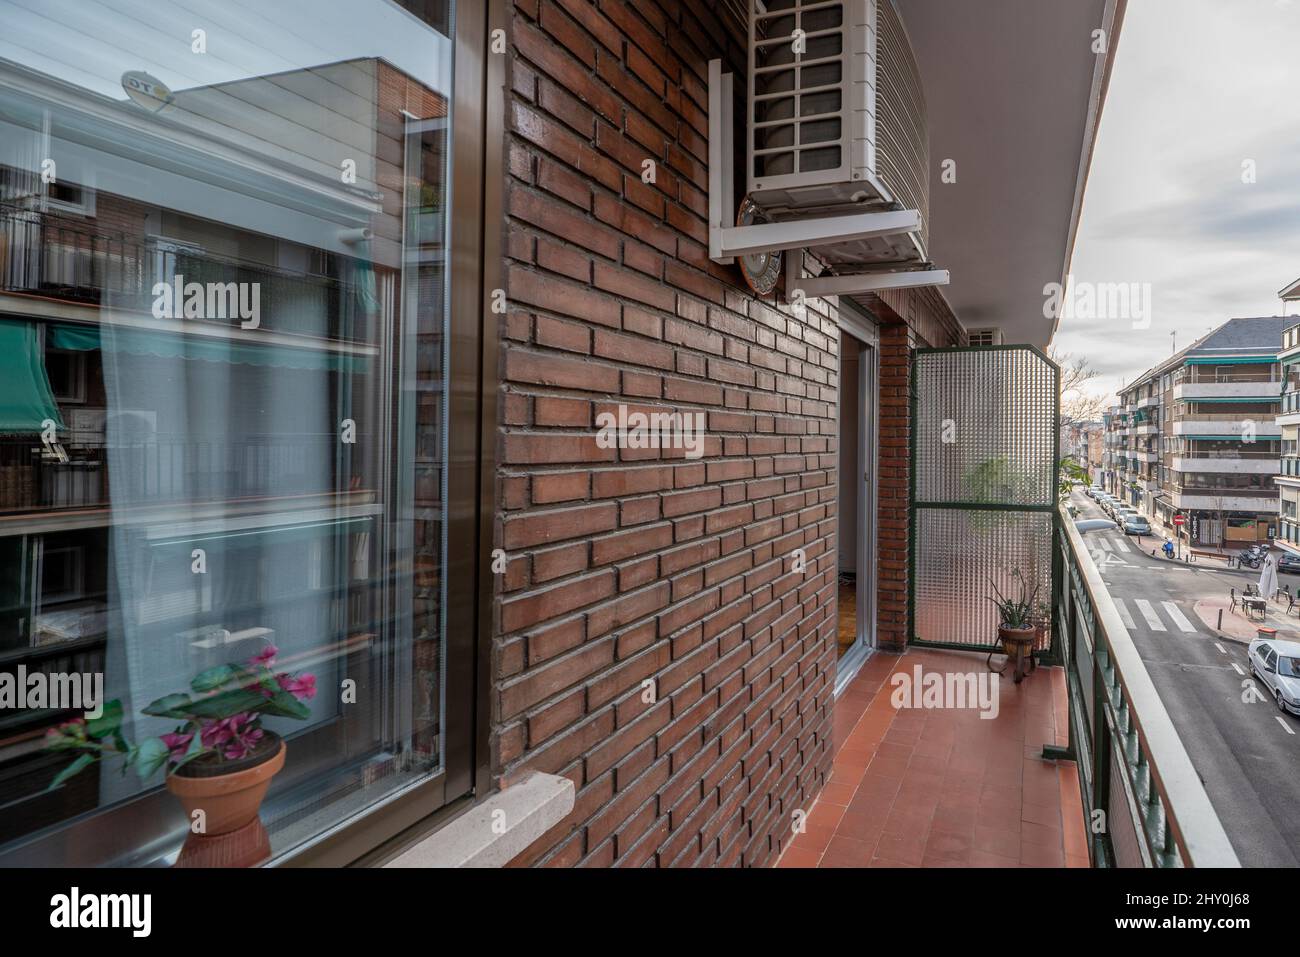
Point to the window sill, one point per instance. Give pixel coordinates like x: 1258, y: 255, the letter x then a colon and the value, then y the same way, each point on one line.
x: 495, y: 831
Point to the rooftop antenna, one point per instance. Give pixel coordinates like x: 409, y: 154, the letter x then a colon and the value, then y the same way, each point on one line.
x: 1173, y: 343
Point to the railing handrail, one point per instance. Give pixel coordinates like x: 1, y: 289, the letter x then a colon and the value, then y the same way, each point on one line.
x: 1195, y: 825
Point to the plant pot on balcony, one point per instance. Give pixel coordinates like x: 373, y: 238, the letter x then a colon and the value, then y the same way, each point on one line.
x: 1018, y: 646
x: 229, y: 795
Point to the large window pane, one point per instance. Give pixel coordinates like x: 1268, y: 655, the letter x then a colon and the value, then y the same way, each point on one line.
x: 222, y: 401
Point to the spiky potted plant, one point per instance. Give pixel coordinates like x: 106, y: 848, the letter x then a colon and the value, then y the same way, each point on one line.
x: 1019, y: 616
x: 219, y: 760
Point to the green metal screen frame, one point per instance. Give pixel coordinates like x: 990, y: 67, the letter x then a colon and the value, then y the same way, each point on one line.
x: 1050, y: 655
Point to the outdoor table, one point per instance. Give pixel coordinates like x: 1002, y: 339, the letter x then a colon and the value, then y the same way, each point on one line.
x: 1255, y: 603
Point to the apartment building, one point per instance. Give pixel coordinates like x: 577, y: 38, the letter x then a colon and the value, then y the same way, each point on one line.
x: 1288, y: 420
x: 1196, y: 435
x: 458, y: 237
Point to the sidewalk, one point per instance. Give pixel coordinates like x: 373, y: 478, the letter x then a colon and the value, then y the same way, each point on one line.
x: 1237, y: 627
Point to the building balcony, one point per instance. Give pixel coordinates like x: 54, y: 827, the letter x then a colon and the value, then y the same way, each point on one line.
x: 1228, y: 463
x: 944, y: 787
x: 1264, y: 389
x: 75, y: 261
x: 162, y: 470
x: 1258, y: 501
x: 1143, y: 456
x: 1148, y: 401
x: 1222, y: 424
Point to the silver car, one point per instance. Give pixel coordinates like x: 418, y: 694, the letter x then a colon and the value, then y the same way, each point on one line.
x: 1277, y: 665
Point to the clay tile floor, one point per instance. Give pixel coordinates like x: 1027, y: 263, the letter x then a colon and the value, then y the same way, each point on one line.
x: 944, y: 787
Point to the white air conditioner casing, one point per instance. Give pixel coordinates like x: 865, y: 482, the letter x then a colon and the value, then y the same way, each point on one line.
x: 835, y: 120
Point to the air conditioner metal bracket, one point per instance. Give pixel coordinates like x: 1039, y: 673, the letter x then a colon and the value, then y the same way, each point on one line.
x: 726, y: 240
x: 856, y: 284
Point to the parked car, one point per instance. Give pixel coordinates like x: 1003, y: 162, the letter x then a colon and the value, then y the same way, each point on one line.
x: 1288, y: 564
x: 1092, y: 524
x: 1277, y: 665
x: 1093, y: 491
x: 1137, y: 525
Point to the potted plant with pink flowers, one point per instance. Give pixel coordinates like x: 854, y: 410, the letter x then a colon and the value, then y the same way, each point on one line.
x: 219, y: 760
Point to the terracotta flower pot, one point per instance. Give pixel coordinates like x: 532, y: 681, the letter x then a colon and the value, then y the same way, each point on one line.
x: 229, y: 795
x: 1018, y: 645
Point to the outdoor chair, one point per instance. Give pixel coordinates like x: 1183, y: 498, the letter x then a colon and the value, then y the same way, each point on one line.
x: 1232, y: 595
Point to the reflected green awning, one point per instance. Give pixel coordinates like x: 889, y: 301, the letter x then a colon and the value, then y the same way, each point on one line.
x: 167, y: 345
x: 26, y: 399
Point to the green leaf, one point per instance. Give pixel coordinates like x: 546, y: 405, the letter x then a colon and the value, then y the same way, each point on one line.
x: 108, y: 723
x: 285, y: 705
x: 212, y: 678
x: 76, y: 767
x: 150, y: 756
x: 176, y: 705
x: 227, y: 703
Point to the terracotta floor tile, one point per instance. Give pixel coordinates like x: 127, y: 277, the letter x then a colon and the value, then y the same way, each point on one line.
x: 835, y: 793
x: 985, y: 859
x: 904, y: 848
x: 1044, y: 814
x: 1043, y: 836
x: 954, y: 820
x: 847, y: 852
x: 861, y: 827
x: 996, y: 840
x: 1038, y: 855
x: 795, y: 856
x: 949, y: 846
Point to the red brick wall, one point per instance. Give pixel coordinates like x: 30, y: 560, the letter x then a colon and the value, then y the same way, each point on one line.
x: 629, y: 565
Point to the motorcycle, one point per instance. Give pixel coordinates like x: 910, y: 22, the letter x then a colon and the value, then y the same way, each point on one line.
x: 1251, y: 557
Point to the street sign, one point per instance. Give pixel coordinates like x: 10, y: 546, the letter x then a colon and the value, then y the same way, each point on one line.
x: 1178, y: 519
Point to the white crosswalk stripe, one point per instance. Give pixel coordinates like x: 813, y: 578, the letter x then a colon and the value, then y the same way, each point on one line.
x: 1149, y: 613
x: 1122, y: 545
x: 1124, y: 614
x: 1178, y: 617
x: 1104, y: 544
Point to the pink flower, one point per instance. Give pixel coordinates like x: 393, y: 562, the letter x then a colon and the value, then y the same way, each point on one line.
x: 303, y: 688
x: 177, y: 744
x: 234, y: 737
x: 265, y: 657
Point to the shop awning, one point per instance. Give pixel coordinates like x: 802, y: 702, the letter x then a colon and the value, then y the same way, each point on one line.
x: 167, y: 345
x: 26, y: 399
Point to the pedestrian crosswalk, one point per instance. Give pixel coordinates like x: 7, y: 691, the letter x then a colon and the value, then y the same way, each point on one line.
x: 1151, y: 614
x: 1116, y: 545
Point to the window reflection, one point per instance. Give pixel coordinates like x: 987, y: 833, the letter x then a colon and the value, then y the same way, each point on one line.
x: 222, y: 301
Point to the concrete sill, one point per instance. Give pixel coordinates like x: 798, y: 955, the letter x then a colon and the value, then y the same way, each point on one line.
x: 495, y: 831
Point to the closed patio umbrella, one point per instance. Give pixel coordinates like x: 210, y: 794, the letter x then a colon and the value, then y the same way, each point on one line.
x: 1268, y: 578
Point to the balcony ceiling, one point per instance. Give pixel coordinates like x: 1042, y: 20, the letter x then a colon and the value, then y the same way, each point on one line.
x: 1013, y: 91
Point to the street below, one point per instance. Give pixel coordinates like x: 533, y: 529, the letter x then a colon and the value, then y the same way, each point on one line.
x: 1245, y: 750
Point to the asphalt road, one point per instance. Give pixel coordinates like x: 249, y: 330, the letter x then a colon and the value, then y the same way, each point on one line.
x: 1247, y: 753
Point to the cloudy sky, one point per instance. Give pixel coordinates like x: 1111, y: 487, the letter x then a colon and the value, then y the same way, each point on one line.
x: 1199, y: 87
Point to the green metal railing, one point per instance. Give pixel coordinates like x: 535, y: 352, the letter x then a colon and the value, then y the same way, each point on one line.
x: 1143, y: 801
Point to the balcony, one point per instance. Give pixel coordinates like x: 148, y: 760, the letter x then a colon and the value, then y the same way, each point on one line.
x: 1225, y: 499
x: 74, y: 261
x: 1228, y: 462
x: 1262, y: 388
x: 945, y: 788
x: 1226, y: 424
x: 169, y: 470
